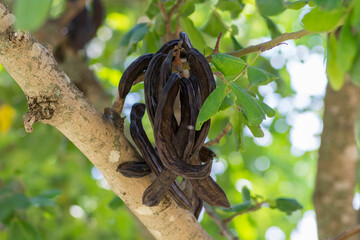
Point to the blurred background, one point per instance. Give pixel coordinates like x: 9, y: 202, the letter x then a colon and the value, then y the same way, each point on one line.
x: 49, y: 190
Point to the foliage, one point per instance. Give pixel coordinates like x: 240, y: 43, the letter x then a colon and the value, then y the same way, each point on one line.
x: 46, y: 184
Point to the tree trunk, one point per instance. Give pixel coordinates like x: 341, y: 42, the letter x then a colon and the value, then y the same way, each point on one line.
x: 338, y: 159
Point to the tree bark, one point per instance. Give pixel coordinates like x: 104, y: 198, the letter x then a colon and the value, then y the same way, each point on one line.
x: 54, y: 100
x: 337, y: 163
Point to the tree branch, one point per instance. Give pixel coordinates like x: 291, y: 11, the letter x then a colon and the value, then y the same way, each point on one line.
x: 220, y: 136
x: 347, y: 234
x: 224, y: 230
x: 252, y: 209
x: 54, y: 100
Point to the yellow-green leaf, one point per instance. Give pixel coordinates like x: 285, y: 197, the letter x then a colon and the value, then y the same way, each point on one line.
x: 336, y: 75
x: 227, y: 64
x: 319, y: 20
x: 211, y: 105
x: 258, y: 76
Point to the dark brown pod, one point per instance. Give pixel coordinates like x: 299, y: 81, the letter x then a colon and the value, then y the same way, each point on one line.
x: 150, y: 79
x: 134, y: 169
x: 200, y: 68
x: 168, y: 46
x: 163, y: 137
x: 134, y: 70
x: 186, y: 41
x: 150, y: 155
x: 206, y: 154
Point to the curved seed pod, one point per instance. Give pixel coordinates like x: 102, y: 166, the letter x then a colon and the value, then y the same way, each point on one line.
x: 156, y: 191
x: 198, y: 208
x: 151, y: 157
x: 150, y: 79
x: 201, y: 136
x: 134, y: 169
x: 135, y: 69
x: 185, y: 136
x: 209, y: 191
x: 163, y: 138
x: 165, y: 73
x: 200, y: 68
x: 186, y: 41
x: 168, y: 46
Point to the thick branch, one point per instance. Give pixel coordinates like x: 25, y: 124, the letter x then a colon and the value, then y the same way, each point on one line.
x: 56, y: 101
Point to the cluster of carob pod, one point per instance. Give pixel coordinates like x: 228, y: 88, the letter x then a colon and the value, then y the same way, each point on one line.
x: 179, y: 148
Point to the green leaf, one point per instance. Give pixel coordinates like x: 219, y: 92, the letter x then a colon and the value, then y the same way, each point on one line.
x: 245, y: 192
x: 228, y: 101
x: 151, y: 42
x: 40, y: 201
x: 329, y: 4
x: 187, y: 8
x: 238, y: 129
x: 215, y: 25
x: 256, y: 131
x: 28, y: 18
x: 270, y: 7
x: 5, y: 208
x: 295, y: 5
x: 227, y: 64
x: 136, y: 34
x: 274, y: 30
x: 196, y: 38
x: 336, y: 75
x: 319, y: 20
x: 355, y: 71
x: 51, y: 193
x: 355, y: 16
x: 19, y: 201
x: 239, y: 207
x: 254, y: 113
x: 233, y: 6
x: 211, y: 105
x: 267, y: 109
x: 115, y: 203
x: 20, y: 229
x: 288, y: 205
x: 258, y: 76
x: 236, y: 44
x: 153, y: 9
x: 346, y: 47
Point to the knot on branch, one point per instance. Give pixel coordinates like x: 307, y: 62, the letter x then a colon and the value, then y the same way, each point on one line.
x: 6, y: 18
x: 40, y: 108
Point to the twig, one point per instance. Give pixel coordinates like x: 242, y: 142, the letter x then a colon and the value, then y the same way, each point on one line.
x: 347, y: 234
x: 252, y: 209
x: 224, y: 230
x: 216, y: 49
x: 269, y: 44
x: 167, y: 17
x: 220, y: 136
x: 72, y: 9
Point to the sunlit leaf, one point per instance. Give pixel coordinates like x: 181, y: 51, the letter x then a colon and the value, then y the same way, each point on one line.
x: 233, y: 6
x: 227, y: 64
x: 187, y: 8
x: 274, y: 30
x: 135, y: 35
x: 153, y: 9
x: 215, y: 25
x: 211, y: 105
x: 254, y: 113
x: 355, y: 16
x: 7, y: 115
x: 228, y: 101
x: 336, y: 75
x: 28, y: 18
x: 256, y: 131
x: 151, y: 42
x: 355, y: 71
x: 238, y: 129
x: 319, y: 20
x: 270, y: 7
x: 245, y: 193
x: 267, y: 109
x: 329, y: 5
x: 288, y: 205
x: 115, y: 203
x: 195, y: 36
x: 258, y: 76
x: 346, y: 47
x: 295, y: 5
x: 239, y: 207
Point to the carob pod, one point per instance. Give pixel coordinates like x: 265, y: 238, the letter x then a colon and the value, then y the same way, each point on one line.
x: 132, y: 72
x: 149, y: 154
x: 163, y: 137
x: 186, y: 41
x: 200, y: 68
x: 168, y: 46
x: 150, y: 78
x: 134, y: 169
x: 165, y: 73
